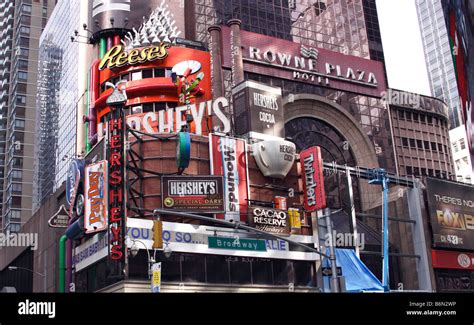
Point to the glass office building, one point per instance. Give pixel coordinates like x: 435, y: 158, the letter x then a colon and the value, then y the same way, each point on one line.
x: 57, y: 99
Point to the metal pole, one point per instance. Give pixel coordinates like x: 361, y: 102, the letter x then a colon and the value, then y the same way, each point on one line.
x: 385, y: 270
x: 332, y: 252
x: 353, y: 212
x: 238, y: 225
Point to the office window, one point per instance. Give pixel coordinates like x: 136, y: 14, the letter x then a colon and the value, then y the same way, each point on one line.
x: 462, y: 143
x: 24, y: 30
x: 20, y: 99
x: 419, y: 144
x: 405, y: 142
x: 22, y: 75
x: 26, y: 8
x: 19, y: 124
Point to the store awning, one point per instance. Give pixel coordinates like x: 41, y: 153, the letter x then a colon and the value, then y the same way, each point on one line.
x: 357, y: 276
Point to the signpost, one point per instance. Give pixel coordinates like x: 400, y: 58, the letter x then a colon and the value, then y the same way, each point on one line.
x: 327, y: 271
x: 58, y: 221
x: 156, y: 277
x: 242, y: 244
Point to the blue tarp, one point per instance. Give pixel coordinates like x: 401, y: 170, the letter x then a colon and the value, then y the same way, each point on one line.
x: 357, y: 276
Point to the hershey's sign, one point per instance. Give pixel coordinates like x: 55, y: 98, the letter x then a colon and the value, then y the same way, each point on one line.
x: 258, y: 108
x: 203, y: 194
x: 270, y: 220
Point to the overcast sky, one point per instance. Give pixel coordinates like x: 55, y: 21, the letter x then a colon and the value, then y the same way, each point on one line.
x: 404, y: 58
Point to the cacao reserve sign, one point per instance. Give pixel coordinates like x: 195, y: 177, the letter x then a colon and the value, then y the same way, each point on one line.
x: 270, y: 220
x: 116, y: 57
x: 203, y: 194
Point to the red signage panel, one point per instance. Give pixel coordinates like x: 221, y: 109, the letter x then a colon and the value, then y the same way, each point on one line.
x: 452, y: 260
x: 313, y: 182
x: 229, y: 158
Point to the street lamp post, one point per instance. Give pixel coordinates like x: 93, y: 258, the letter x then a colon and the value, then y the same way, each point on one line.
x: 14, y: 268
x: 134, y: 252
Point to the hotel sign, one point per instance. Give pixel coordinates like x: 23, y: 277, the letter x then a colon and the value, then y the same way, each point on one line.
x: 204, y: 194
x: 265, y: 55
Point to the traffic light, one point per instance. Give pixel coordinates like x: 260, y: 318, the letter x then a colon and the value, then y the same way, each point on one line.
x: 157, y: 234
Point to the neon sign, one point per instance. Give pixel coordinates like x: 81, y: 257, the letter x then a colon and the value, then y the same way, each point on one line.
x: 116, y: 57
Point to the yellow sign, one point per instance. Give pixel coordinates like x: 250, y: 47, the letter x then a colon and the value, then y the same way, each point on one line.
x: 294, y: 217
x: 156, y: 277
x: 116, y: 57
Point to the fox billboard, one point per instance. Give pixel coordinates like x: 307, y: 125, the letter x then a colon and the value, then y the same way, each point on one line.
x: 451, y: 208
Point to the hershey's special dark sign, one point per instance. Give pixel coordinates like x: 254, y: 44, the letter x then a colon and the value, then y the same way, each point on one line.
x: 203, y: 194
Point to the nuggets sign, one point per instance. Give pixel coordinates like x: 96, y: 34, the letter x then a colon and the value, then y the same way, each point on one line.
x: 116, y: 57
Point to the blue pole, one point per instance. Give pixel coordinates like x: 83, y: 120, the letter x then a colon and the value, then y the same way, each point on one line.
x: 385, y: 270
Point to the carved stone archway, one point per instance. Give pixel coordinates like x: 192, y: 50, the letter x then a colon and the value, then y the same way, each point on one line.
x: 313, y: 106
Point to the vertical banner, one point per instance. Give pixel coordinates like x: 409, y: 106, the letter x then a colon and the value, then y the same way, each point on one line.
x: 229, y: 158
x: 156, y: 277
x: 313, y: 182
x: 95, y: 197
x: 115, y: 157
x: 73, y: 179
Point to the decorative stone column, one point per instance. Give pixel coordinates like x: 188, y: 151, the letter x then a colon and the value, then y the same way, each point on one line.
x: 216, y: 61
x: 236, y: 52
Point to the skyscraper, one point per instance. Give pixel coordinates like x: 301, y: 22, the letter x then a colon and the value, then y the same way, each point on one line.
x: 439, y: 61
x: 6, y: 35
x: 23, y: 22
x: 60, y: 90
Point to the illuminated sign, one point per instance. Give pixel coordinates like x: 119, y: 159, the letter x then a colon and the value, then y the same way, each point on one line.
x: 229, y: 158
x: 173, y: 119
x: 270, y: 220
x: 116, y: 164
x: 258, y: 108
x: 313, y: 184
x: 95, y: 197
x: 451, y: 207
x: 193, y: 193
x: 116, y: 57
x: 283, y: 59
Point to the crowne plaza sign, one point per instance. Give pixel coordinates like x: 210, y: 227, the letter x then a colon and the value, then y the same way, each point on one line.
x: 283, y: 59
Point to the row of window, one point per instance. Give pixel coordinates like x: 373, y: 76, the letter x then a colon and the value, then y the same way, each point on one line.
x: 416, y: 171
x: 424, y: 145
x: 212, y: 269
x: 141, y: 74
x: 459, y: 145
x: 424, y: 119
